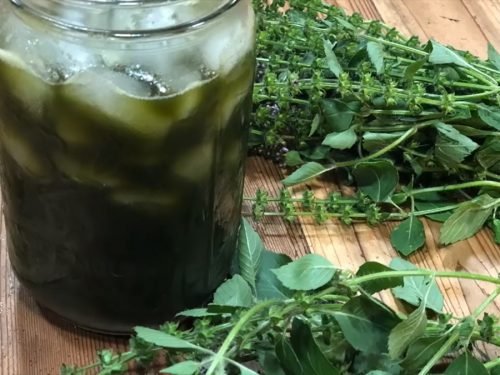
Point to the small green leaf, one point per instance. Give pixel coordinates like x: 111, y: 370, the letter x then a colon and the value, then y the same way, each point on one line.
x: 305, y: 173
x: 489, y: 154
x: 250, y: 253
x: 376, y: 54
x: 407, y: 331
x: 162, y: 339
x: 309, y: 272
x: 341, y: 141
x: 496, y: 230
x: 376, y: 141
x: 494, y: 56
x: 452, y: 147
x: 375, y: 363
x: 421, y: 351
x: 331, y: 59
x: 490, y: 116
x: 315, y: 125
x: 415, y: 287
x: 196, y: 313
x: 412, y: 69
x: 234, y: 292
x: 467, y: 220
x: 408, y: 236
x: 376, y: 286
x: 287, y: 357
x: 246, y: 371
x: 377, y: 179
x: 293, y: 159
x: 443, y: 55
x: 466, y: 364
x: 308, y: 352
x: 339, y: 115
x: 440, y: 217
x: 182, y: 368
x: 345, y: 24
x: 268, y: 285
x: 366, y: 324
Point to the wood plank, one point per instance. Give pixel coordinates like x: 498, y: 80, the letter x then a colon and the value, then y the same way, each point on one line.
x: 486, y: 13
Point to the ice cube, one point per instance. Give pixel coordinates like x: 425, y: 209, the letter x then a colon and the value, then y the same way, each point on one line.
x: 23, y: 153
x: 23, y: 83
x: 119, y: 108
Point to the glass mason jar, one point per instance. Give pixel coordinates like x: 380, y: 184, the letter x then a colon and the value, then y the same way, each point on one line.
x: 123, y: 131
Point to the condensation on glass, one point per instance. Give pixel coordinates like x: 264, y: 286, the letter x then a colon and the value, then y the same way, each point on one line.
x: 123, y: 130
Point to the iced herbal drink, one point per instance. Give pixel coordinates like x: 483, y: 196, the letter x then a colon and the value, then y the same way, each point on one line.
x: 122, y: 177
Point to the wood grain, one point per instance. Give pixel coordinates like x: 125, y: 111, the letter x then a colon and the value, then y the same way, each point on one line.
x: 31, y: 344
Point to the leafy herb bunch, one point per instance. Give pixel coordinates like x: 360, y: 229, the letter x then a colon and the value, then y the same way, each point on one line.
x: 305, y: 317
x: 339, y: 93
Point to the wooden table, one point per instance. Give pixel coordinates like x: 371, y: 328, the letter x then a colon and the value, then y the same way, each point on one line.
x: 32, y: 345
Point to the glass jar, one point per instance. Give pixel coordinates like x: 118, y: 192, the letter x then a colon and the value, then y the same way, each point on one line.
x: 123, y: 131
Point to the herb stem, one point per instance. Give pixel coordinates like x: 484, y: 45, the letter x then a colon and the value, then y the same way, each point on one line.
x: 492, y: 364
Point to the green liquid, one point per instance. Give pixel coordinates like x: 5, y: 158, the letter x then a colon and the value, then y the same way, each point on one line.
x: 122, y: 216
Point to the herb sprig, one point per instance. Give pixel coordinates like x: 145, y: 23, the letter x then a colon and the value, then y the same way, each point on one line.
x: 344, y: 95
x: 283, y: 317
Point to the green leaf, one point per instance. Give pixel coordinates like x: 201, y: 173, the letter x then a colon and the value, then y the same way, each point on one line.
x: 489, y: 154
x: 250, y: 253
x: 308, y: 352
x: 196, y: 313
x: 415, y: 287
x: 341, y: 141
x: 421, y: 351
x: 345, y: 24
x: 496, y: 230
x: 293, y: 159
x: 408, y: 236
x: 309, y: 272
x: 339, y: 115
x: 373, y: 142
x: 407, y: 331
x: 182, y: 368
x: 366, y: 324
x: 268, y: 285
x: 315, y: 125
x: 376, y: 54
x: 490, y: 116
x: 270, y: 363
x: 376, y: 286
x: 287, y: 357
x: 494, y: 56
x: 331, y: 59
x: 467, y: 220
x: 466, y: 364
x: 234, y: 292
x: 162, y: 339
x: 377, y: 179
x: 378, y: 372
x: 305, y: 173
x: 246, y: 371
x: 452, y: 147
x: 412, y: 69
x: 443, y: 55
x: 439, y: 217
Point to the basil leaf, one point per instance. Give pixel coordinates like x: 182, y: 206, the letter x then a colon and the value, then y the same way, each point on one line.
x: 376, y: 55
x: 339, y: 115
x: 309, y: 272
x: 162, y: 339
x: 466, y: 364
x: 490, y: 116
x: 421, y: 351
x: 493, y: 56
x: 376, y: 286
x: 268, y: 285
x: 412, y: 69
x: 366, y: 324
x: 305, y: 173
x: 250, y: 253
x: 234, y: 292
x: 341, y: 141
x: 408, y: 236
x: 377, y: 179
x: 452, y: 147
x: 182, y: 368
x: 467, y: 220
x: 331, y: 59
x: 443, y: 55
x: 415, y: 287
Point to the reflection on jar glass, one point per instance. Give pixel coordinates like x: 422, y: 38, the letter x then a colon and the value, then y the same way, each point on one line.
x: 123, y: 129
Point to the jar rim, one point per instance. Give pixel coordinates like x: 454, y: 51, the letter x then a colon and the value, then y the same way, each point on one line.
x: 126, y: 34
